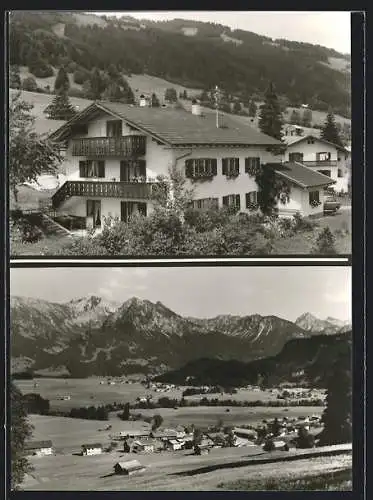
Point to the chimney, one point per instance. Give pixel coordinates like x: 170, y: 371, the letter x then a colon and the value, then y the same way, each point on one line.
x: 196, y: 108
x: 142, y: 101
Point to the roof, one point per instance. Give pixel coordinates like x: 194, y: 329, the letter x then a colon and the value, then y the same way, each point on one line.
x: 290, y: 140
x: 93, y: 445
x: 301, y: 175
x: 174, y: 127
x: 33, y: 445
x: 130, y: 465
x: 241, y: 430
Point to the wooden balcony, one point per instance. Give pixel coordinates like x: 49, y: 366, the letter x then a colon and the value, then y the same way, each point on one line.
x: 99, y: 189
x: 100, y: 147
x: 320, y: 163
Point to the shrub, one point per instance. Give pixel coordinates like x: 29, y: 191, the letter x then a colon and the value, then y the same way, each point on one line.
x: 325, y: 243
x: 302, y: 224
x: 41, y: 69
x: 305, y: 439
x: 29, y: 84
x: 269, y: 445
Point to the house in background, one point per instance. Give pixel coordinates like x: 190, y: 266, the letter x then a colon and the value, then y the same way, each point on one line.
x: 39, y: 448
x: 116, y: 151
x: 320, y: 156
x: 91, y: 449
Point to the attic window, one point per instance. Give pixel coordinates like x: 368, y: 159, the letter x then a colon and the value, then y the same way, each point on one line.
x: 310, y: 141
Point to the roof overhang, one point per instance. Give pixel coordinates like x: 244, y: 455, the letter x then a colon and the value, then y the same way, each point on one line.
x: 310, y: 136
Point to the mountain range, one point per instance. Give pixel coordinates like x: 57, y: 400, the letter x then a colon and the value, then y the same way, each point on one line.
x: 195, y: 54
x: 92, y: 336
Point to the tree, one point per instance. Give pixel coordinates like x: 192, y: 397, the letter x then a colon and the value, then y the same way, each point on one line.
x: 14, y: 77
x: 305, y: 439
x: 325, y: 243
x: 197, y: 436
x: 60, y: 107
x: 170, y: 95
x: 157, y: 421
x: 20, y: 431
x: 275, y: 427
x: 252, y: 108
x: 29, y: 84
x: 307, y: 118
x: 237, y: 108
x: 329, y: 131
x: 95, y: 85
x: 125, y: 414
x: 270, y: 117
x: 62, y: 82
x: 295, y: 117
x: 338, y: 412
x: 155, y: 101
x: 30, y: 154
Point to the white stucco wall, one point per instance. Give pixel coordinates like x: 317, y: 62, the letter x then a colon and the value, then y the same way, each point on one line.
x: 93, y: 451
x: 43, y: 452
x: 110, y: 207
x: 299, y: 202
x: 221, y: 185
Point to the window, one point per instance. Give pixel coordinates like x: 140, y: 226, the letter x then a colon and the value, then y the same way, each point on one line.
x: 295, y: 157
x: 94, y: 211
x: 133, y: 170
x: 323, y: 156
x: 252, y: 164
x: 201, y: 168
x: 129, y: 208
x: 252, y: 199
x: 114, y: 128
x: 340, y: 172
x: 314, y: 197
x: 310, y: 140
x: 205, y: 203
x: 325, y: 172
x: 92, y: 168
x: 231, y: 167
x: 232, y: 200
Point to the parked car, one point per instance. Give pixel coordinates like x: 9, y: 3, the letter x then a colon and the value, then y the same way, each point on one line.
x: 331, y: 205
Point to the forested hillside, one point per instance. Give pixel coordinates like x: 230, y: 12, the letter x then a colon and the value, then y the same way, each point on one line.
x: 198, y: 55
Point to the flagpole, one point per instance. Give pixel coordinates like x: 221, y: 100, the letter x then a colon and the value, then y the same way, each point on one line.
x: 217, y: 105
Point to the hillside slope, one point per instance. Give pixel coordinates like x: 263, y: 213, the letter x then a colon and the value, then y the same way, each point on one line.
x: 198, y: 55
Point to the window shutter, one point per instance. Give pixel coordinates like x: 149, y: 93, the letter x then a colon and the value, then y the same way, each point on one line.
x: 108, y: 129
x: 82, y: 168
x: 101, y: 168
x: 237, y: 165
x: 257, y: 162
x: 247, y: 200
x: 224, y: 166
x: 247, y: 165
x: 259, y: 197
x: 214, y: 166
x: 188, y: 168
x: 238, y: 201
x: 142, y: 208
x: 225, y: 200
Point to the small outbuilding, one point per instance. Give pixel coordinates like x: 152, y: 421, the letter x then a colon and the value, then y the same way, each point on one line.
x: 91, y: 449
x: 128, y: 468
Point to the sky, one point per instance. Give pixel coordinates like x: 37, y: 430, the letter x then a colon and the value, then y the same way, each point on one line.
x: 286, y: 291
x: 328, y: 28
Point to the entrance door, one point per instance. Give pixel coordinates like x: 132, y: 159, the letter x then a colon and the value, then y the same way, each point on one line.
x: 128, y: 208
x: 94, y: 212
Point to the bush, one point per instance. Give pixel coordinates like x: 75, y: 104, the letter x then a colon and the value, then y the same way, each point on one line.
x: 269, y: 445
x: 302, y: 224
x: 325, y: 243
x: 29, y: 84
x: 41, y: 69
x: 305, y: 439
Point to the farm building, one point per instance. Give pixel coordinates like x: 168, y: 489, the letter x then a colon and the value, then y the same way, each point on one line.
x: 39, y: 448
x: 174, y: 444
x: 245, y: 433
x: 145, y: 445
x: 128, y: 468
x: 134, y: 433
x: 92, y: 449
x: 165, y: 434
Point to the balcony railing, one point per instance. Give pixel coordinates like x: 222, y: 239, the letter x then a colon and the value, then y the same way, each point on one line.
x: 99, y: 189
x: 130, y: 145
x: 321, y: 163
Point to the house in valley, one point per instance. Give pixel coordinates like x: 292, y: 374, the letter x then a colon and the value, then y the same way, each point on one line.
x: 39, y: 448
x: 91, y: 449
x: 320, y: 156
x: 115, y: 153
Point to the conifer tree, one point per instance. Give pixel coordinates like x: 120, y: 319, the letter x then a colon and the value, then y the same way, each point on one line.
x: 329, y: 131
x: 270, y: 117
x: 60, y: 108
x: 62, y: 82
x: 307, y: 118
x: 295, y: 118
x: 252, y: 108
x: 155, y: 101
